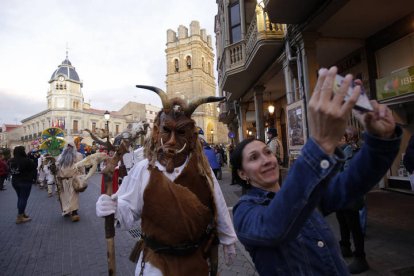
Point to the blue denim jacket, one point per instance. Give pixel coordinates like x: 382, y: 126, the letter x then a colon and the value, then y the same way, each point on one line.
x: 285, y: 233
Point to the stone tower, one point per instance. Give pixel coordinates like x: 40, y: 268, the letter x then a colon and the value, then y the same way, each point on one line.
x: 190, y: 74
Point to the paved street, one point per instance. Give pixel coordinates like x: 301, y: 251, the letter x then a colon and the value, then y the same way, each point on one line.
x: 53, y: 245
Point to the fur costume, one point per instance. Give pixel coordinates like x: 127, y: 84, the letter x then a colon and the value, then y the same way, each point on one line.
x: 179, y: 216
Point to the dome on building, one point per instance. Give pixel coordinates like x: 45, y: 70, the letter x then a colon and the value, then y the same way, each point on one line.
x: 67, y: 70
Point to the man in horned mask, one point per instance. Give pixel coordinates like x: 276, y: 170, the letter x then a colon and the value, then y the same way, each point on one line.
x: 175, y: 194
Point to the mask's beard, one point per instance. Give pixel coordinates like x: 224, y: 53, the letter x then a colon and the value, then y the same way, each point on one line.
x: 171, y: 158
x: 172, y: 151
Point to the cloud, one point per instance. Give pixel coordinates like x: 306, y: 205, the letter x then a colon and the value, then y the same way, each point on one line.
x: 114, y: 45
x: 14, y: 108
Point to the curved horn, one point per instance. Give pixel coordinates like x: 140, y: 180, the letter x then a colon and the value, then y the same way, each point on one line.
x: 195, y: 103
x: 160, y: 92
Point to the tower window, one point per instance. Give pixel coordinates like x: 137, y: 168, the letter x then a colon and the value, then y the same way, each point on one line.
x: 176, y: 65
x: 188, y: 62
x: 202, y: 63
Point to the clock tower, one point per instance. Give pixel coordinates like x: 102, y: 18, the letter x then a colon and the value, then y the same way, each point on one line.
x: 65, y: 88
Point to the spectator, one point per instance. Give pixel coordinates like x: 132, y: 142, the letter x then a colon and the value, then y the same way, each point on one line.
x: 219, y: 158
x: 348, y: 217
x: 409, y: 160
x: 211, y: 155
x: 4, y: 171
x: 275, y: 145
x: 22, y: 170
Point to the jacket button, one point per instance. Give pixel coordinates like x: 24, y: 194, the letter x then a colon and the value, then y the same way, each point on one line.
x: 324, y: 164
x: 321, y: 244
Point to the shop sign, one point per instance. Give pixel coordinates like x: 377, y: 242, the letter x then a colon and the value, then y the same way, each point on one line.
x: 396, y: 84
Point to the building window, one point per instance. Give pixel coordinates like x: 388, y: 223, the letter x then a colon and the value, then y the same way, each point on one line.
x: 116, y: 129
x: 235, y: 22
x: 202, y: 64
x: 188, y: 62
x: 75, y: 125
x: 176, y: 65
x: 209, y: 69
x: 93, y: 127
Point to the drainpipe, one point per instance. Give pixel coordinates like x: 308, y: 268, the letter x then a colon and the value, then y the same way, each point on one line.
x: 303, y: 82
x: 242, y: 19
x: 287, y: 72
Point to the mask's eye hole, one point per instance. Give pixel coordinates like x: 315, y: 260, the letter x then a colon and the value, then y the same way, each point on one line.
x: 166, y: 129
x: 181, y: 131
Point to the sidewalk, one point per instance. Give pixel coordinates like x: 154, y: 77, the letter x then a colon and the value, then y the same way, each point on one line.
x: 389, y: 243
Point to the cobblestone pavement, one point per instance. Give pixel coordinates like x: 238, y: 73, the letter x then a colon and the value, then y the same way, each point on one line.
x: 53, y: 245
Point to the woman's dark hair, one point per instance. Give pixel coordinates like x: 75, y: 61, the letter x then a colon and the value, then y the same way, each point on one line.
x: 19, y: 152
x: 236, y: 161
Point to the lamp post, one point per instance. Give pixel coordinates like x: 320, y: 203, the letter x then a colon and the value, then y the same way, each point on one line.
x: 107, y: 117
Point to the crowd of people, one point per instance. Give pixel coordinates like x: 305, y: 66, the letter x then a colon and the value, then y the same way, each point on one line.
x: 174, y: 178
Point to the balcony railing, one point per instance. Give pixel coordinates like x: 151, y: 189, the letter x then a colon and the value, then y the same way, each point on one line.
x: 237, y: 54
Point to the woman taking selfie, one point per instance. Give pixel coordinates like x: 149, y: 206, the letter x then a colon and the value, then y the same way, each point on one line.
x: 283, y: 228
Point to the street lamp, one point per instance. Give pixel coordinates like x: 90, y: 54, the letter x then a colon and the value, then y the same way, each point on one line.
x: 212, y: 135
x: 107, y: 116
x: 261, y: 3
x: 271, y: 109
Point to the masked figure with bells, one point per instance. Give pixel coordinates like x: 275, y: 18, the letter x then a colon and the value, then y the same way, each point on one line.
x: 177, y: 197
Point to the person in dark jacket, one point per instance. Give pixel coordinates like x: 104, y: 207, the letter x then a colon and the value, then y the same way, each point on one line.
x: 210, y: 153
x: 408, y: 160
x: 4, y: 171
x: 22, y: 170
x: 283, y: 227
x: 348, y: 217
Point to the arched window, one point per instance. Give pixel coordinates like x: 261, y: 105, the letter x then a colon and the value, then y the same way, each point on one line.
x: 176, y: 65
x: 209, y: 68
x: 202, y: 63
x: 188, y: 62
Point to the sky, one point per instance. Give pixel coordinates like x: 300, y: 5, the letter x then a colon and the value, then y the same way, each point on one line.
x: 113, y: 45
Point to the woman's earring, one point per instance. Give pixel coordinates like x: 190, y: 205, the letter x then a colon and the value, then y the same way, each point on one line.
x: 247, y: 180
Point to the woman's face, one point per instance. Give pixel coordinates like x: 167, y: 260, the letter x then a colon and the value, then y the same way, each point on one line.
x: 260, y: 166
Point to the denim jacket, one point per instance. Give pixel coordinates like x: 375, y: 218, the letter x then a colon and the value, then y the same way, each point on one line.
x: 285, y: 232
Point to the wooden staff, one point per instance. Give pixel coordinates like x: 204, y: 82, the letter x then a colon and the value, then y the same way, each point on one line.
x: 108, y: 173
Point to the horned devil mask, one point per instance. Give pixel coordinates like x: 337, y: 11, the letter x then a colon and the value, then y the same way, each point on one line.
x: 174, y: 135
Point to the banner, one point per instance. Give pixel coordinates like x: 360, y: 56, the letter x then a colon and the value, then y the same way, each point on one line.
x: 59, y: 122
x: 397, y: 84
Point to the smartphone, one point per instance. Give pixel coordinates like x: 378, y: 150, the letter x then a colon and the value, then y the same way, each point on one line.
x: 363, y: 104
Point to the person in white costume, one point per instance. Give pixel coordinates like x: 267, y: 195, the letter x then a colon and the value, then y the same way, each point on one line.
x: 175, y: 194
